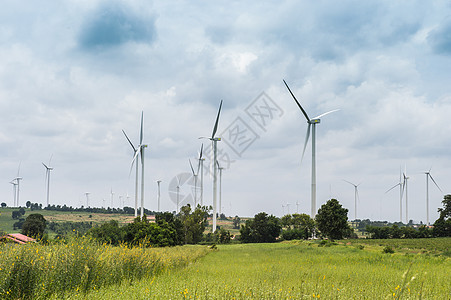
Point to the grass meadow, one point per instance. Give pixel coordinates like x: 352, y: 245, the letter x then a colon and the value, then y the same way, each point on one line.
x: 296, y: 270
x: 76, y: 267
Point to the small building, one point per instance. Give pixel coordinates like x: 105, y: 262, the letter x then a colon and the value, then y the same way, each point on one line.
x: 17, y: 238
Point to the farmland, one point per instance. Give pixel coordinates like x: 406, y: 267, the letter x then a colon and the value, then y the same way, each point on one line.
x: 297, y: 270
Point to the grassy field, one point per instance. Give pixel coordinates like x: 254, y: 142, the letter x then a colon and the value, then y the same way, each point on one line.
x: 36, y: 271
x: 296, y: 270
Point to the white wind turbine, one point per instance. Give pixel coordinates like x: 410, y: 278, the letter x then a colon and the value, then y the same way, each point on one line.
x: 311, y: 125
x: 400, y: 184
x: 14, y: 183
x: 356, y: 196
x: 138, y: 151
x: 48, y: 169
x: 158, y: 183
x: 112, y: 197
x: 17, y: 180
x: 404, y: 186
x: 428, y: 175
x: 87, y: 199
x: 214, y: 141
x: 195, y: 182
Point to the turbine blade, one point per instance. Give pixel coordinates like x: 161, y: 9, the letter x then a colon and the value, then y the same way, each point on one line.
x: 191, y: 165
x: 349, y: 182
x: 435, y: 183
x: 326, y: 113
x: 306, y: 141
x: 141, y: 134
x: 50, y: 160
x: 392, y: 187
x: 201, y: 148
x: 217, y: 121
x: 131, y: 144
x: 45, y: 166
x: 134, y: 158
x: 297, y: 102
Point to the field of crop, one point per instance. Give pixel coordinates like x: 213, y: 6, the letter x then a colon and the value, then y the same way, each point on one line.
x: 36, y: 271
x: 296, y: 270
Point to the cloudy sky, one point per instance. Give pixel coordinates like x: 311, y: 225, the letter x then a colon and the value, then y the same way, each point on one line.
x: 73, y: 74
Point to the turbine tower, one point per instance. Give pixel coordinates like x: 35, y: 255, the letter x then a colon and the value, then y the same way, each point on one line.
x: 220, y: 187
x: 356, y: 196
x: 48, y: 169
x: 311, y: 126
x: 404, y: 186
x: 214, y: 141
x: 428, y: 175
x: 87, y: 199
x: 400, y: 194
x: 158, y: 183
x: 14, y: 183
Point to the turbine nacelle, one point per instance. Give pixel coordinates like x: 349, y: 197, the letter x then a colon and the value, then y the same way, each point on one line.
x: 314, y: 121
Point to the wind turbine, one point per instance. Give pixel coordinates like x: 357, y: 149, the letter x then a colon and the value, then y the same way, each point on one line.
x: 400, y: 184
x: 200, y: 164
x: 195, y: 182
x: 158, y: 183
x: 311, y: 125
x: 428, y: 175
x: 356, y: 196
x: 214, y: 141
x: 112, y: 196
x: 48, y: 169
x: 14, y: 191
x: 404, y: 186
x: 139, y: 151
x: 18, y: 179
x: 87, y: 199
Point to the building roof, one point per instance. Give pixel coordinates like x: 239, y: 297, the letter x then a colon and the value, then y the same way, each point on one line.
x: 18, y: 238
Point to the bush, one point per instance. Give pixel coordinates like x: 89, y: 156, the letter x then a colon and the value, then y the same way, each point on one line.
x: 388, y: 249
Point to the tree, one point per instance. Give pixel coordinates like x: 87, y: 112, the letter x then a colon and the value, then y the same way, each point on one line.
x: 28, y: 204
x: 108, y: 232
x: 261, y: 229
x: 236, y: 222
x: 442, y: 226
x: 332, y: 220
x: 34, y: 225
x: 3, y: 204
x: 300, y: 226
x: 15, y: 214
x: 194, y: 223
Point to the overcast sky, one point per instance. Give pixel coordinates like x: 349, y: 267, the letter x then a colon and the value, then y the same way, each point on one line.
x: 73, y: 74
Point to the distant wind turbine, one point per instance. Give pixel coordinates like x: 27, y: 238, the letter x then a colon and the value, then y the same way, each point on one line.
x: 400, y: 184
x: 404, y: 187
x: 311, y: 125
x: 112, y: 196
x: 139, y: 151
x: 48, y: 169
x: 14, y: 183
x: 200, y: 165
x: 87, y: 199
x: 356, y: 196
x: 428, y: 175
x: 17, y: 180
x: 214, y: 141
x: 195, y: 182
x: 158, y: 183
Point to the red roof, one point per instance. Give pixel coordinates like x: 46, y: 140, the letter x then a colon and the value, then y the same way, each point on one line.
x: 18, y: 238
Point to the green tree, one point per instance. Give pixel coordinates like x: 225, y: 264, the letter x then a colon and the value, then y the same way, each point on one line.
x: 194, y: 223
x: 301, y: 226
x: 261, y: 229
x: 442, y: 226
x: 34, y: 225
x: 236, y: 222
x: 332, y: 220
x: 3, y: 204
x: 28, y: 204
x: 108, y: 232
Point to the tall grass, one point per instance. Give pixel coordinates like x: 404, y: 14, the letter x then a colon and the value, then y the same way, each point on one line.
x: 296, y: 271
x: 35, y: 271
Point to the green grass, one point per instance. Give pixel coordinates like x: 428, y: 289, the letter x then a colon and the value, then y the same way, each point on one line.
x: 295, y: 270
x: 36, y: 271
